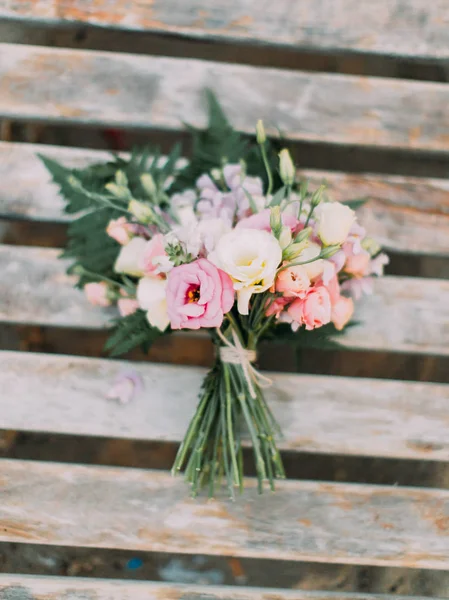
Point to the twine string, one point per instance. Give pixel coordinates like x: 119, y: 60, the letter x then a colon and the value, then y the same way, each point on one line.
x: 235, y: 354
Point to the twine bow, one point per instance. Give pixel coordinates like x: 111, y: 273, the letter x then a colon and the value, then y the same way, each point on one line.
x: 236, y: 354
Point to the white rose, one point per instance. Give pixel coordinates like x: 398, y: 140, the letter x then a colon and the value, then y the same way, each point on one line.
x: 250, y: 257
x: 151, y: 298
x: 129, y: 260
x: 334, y: 222
x: 315, y: 268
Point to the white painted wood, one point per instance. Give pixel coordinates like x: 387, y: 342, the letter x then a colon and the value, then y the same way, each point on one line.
x: 404, y: 314
x: 75, y: 505
x: 406, y: 214
x: 104, y: 88
x: 329, y: 415
x: 34, y: 587
x: 415, y: 29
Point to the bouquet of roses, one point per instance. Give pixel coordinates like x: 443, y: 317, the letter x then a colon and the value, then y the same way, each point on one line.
x: 231, y: 242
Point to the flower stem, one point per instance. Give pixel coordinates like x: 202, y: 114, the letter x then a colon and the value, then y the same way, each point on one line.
x: 263, y: 151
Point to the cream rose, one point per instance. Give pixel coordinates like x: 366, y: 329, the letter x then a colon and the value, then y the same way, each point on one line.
x: 151, y: 298
x: 250, y: 257
x: 129, y: 260
x: 314, y: 268
x: 334, y: 222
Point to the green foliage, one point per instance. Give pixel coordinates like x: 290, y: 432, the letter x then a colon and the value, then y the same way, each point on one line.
x: 211, y: 147
x: 101, y: 192
x: 130, y: 332
x: 323, y: 338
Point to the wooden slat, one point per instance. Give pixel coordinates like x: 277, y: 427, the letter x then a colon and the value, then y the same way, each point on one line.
x: 329, y: 415
x: 417, y: 29
x: 34, y: 587
x: 404, y: 314
x: 406, y: 214
x: 101, y: 88
x: 74, y: 505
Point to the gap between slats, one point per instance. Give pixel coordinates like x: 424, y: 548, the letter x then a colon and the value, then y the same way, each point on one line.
x: 386, y: 29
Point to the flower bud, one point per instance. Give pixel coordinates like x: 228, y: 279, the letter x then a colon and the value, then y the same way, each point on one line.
x: 286, y: 167
x: 303, y: 235
x: 276, y: 221
x: 141, y: 211
x: 121, y: 179
x: 329, y: 251
x: 294, y: 250
x: 260, y: 132
x: 216, y: 174
x: 118, y: 191
x: 371, y: 246
x: 148, y: 184
x: 285, y: 237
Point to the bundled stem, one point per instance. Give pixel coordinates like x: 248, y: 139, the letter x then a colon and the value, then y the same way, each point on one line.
x: 230, y: 404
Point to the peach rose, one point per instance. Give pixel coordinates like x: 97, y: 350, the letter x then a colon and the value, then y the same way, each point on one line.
x: 277, y: 306
x: 293, y: 282
x: 314, y: 310
x: 358, y: 264
x: 342, y: 312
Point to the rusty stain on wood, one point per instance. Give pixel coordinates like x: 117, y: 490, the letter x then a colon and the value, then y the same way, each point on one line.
x: 57, y: 84
x: 106, y: 507
x: 350, y: 26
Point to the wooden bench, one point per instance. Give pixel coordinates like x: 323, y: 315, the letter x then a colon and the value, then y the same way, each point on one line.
x: 356, y: 525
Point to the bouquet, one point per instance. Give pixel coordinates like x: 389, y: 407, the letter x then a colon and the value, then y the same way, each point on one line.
x: 232, y: 242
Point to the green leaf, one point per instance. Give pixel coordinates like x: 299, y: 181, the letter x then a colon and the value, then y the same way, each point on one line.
x: 131, y: 332
x: 278, y: 197
x: 212, y: 146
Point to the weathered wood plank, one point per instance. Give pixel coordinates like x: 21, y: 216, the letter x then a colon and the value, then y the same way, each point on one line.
x: 75, y: 505
x: 404, y: 314
x: 406, y: 214
x: 329, y: 415
x: 34, y: 587
x: 103, y: 88
x: 417, y: 29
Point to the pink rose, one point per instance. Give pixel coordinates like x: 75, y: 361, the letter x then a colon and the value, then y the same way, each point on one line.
x: 314, y: 310
x: 155, y: 248
x: 277, y: 306
x: 127, y: 306
x: 120, y: 230
x: 293, y: 282
x: 198, y: 295
x: 342, y: 312
x: 97, y: 294
x: 261, y: 220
